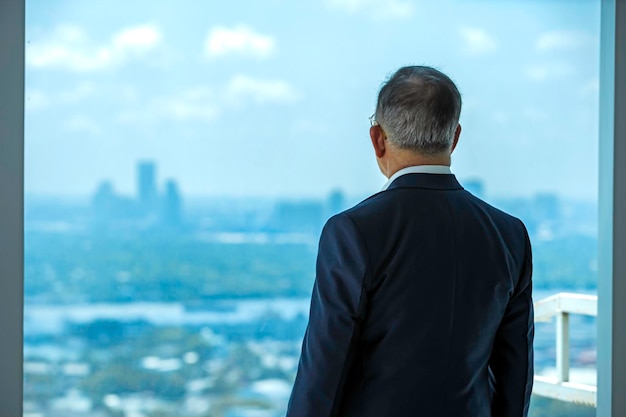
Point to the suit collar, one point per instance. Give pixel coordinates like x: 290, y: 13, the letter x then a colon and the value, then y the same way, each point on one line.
x: 418, y: 169
x: 427, y: 181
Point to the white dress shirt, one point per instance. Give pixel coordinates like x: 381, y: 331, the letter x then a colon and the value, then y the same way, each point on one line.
x: 418, y: 169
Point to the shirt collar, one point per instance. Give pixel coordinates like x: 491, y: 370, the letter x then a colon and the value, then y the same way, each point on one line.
x: 418, y: 169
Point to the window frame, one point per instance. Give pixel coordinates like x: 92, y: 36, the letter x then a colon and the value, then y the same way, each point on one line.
x: 612, y: 211
x: 612, y: 208
x: 12, y: 15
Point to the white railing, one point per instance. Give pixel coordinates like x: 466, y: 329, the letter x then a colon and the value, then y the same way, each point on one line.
x: 561, y: 388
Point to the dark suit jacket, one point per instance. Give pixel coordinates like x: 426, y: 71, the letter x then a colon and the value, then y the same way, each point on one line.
x: 421, y: 308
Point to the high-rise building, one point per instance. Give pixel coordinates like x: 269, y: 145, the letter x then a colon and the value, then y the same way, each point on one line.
x: 171, y: 212
x: 147, y: 193
x: 547, y: 206
x: 103, y: 202
x: 336, y: 202
x: 111, y: 208
x: 475, y: 186
x: 299, y: 216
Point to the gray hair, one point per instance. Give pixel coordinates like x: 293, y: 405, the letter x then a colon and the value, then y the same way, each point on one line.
x: 418, y: 109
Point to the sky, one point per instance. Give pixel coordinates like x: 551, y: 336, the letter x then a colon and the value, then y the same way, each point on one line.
x: 271, y: 98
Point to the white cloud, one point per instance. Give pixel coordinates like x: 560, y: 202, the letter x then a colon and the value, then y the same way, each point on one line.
x: 239, y: 40
x: 137, y: 38
x: 564, y: 40
x: 70, y: 48
x: 205, y: 103
x: 383, y: 9
x: 194, y: 104
x: 546, y: 71
x: 245, y: 88
x: 36, y: 100
x: 83, y: 125
x: 477, y: 41
x: 78, y: 93
x: 537, y: 72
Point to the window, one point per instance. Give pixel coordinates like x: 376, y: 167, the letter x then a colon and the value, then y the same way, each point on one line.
x: 85, y: 66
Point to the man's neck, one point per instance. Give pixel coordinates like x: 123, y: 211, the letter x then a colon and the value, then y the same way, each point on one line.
x: 403, y: 159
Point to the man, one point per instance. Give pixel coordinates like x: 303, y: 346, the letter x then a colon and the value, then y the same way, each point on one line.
x: 422, y: 299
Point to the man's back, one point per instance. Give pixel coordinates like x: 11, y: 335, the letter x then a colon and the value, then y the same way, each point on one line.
x: 422, y: 299
x: 432, y: 314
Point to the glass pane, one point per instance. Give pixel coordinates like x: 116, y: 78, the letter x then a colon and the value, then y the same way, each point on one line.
x: 181, y: 160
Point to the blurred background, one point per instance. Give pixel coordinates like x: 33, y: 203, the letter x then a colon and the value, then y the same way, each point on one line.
x: 182, y: 158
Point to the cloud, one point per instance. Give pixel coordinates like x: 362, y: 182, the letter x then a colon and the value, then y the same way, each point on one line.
x: 83, y: 125
x: 559, y: 40
x: 382, y: 9
x: 137, y: 38
x: 245, y: 88
x: 80, y: 92
x: 477, y: 41
x: 546, y: 71
x: 205, y: 104
x: 240, y: 40
x: 70, y: 48
x: 37, y: 99
x: 196, y: 104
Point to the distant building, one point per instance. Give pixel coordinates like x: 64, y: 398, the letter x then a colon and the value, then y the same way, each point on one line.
x: 547, y: 206
x: 171, y: 209
x: 475, y: 186
x: 547, y: 211
x: 104, y: 199
x: 336, y: 203
x: 104, y: 203
x: 146, y: 210
x: 147, y: 192
x: 299, y: 216
x: 109, y: 206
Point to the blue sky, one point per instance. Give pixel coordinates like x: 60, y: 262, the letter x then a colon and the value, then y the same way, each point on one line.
x: 272, y: 98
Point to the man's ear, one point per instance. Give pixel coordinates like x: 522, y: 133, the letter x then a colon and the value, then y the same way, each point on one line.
x: 378, y: 140
x: 457, y: 133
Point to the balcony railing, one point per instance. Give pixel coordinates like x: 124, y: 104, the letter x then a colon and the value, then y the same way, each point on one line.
x: 561, y: 306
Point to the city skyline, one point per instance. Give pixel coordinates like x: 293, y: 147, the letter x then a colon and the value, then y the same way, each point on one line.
x: 142, y: 186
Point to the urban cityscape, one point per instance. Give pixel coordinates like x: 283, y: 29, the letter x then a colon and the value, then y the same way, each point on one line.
x: 181, y: 162
x: 151, y: 305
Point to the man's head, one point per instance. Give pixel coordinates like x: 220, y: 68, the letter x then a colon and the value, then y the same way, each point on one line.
x: 416, y: 119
